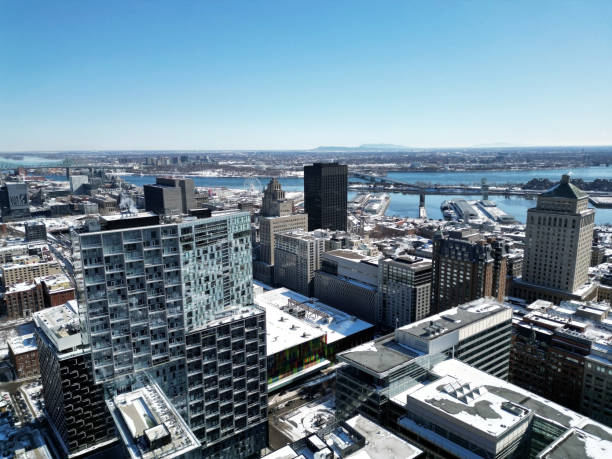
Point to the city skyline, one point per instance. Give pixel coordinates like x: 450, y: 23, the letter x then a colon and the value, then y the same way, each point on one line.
x: 272, y: 76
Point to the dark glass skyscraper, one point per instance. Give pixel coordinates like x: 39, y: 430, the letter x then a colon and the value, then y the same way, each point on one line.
x: 325, y: 195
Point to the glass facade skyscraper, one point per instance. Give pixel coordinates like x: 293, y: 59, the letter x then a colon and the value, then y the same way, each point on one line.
x: 325, y: 196
x: 176, y: 300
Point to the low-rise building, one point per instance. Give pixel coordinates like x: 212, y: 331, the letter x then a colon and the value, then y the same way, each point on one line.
x: 304, y: 335
x: 23, y: 355
x: 16, y: 273
x: 150, y: 427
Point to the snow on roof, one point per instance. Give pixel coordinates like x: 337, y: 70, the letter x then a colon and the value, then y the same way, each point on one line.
x: 22, y: 343
x: 331, y: 321
x: 541, y: 406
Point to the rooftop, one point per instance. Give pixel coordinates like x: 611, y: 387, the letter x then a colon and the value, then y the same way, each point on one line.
x: 61, y: 325
x: 149, y: 426
x: 577, y: 443
x: 564, y: 189
x: 334, y: 323
x: 22, y: 343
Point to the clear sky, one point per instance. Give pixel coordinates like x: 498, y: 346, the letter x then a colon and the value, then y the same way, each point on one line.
x: 288, y: 74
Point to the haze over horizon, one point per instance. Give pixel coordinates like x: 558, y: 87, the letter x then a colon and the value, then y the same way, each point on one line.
x: 276, y: 76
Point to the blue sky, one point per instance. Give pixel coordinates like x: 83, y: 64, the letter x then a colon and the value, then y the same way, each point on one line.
x: 288, y: 74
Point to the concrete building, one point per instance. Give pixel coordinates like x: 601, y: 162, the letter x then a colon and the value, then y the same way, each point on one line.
x: 17, y: 273
x: 8, y: 252
x: 274, y: 202
x: 465, y: 267
x: 297, y: 256
x: 106, y: 204
x: 356, y: 438
x: 150, y: 427
x: 74, y: 404
x: 304, y: 335
x: 77, y: 184
x: 564, y: 353
x: 170, y: 196
x: 348, y: 281
x: 23, y: 355
x: 559, y: 235
x: 270, y: 226
x: 325, y: 196
x: 477, y: 333
x: 14, y: 201
x: 404, y: 290
x: 447, y: 407
x: 35, y: 231
x: 176, y: 301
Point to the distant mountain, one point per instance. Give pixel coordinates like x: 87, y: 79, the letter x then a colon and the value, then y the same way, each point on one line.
x: 365, y: 147
x: 497, y: 145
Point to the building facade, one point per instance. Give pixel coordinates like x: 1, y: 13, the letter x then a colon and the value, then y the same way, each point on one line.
x: 175, y: 301
x: 465, y: 267
x: 297, y: 256
x: 404, y: 291
x: 274, y: 202
x: 270, y: 226
x: 35, y: 231
x: 559, y: 235
x: 348, y: 281
x: 170, y: 196
x: 325, y: 196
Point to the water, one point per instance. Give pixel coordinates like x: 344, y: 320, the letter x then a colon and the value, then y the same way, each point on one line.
x: 406, y: 205
x: 499, y: 177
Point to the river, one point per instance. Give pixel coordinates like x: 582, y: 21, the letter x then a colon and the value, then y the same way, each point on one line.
x: 406, y: 205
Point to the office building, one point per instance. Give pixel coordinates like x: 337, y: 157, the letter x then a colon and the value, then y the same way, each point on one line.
x: 564, y: 353
x: 77, y: 184
x: 348, y: 281
x: 404, y: 290
x: 274, y: 202
x: 325, y: 196
x: 175, y: 301
x: 170, y: 196
x: 57, y: 289
x: 477, y: 333
x: 106, y: 204
x: 558, y: 240
x: 35, y: 231
x: 270, y: 226
x: 14, y: 201
x: 297, y: 255
x: 355, y: 438
x: 417, y: 385
x: 465, y: 266
x: 74, y: 404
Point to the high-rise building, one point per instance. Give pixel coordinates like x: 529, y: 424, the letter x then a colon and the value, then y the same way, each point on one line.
x: 297, y: 255
x: 14, y: 201
x: 558, y: 240
x: 170, y: 196
x: 348, y: 281
x: 269, y: 227
x: 77, y: 184
x: 35, y: 231
x: 466, y: 267
x: 404, y: 290
x: 73, y: 401
x: 176, y: 301
x: 325, y: 196
x: 274, y: 203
